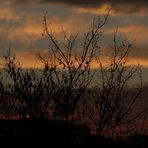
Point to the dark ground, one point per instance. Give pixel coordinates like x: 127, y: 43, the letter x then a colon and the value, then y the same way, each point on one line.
x: 45, y: 133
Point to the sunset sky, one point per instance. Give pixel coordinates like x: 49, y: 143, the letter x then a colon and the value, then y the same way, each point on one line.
x: 21, y: 25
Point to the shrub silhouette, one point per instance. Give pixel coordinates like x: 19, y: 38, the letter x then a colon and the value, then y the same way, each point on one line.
x: 26, y: 92
x: 58, y: 103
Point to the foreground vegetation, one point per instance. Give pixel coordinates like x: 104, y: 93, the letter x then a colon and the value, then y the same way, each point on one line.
x: 68, y: 99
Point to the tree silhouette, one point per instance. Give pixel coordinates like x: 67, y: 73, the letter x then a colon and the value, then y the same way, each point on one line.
x: 67, y: 88
x: 114, y: 99
x: 71, y: 66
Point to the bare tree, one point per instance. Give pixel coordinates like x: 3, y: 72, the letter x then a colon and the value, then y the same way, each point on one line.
x: 71, y: 63
x: 115, y: 96
x: 64, y: 87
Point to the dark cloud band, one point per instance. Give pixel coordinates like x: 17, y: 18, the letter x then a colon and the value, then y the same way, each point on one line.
x: 117, y: 5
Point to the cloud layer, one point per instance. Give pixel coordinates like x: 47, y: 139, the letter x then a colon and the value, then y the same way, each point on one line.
x: 21, y: 24
x: 125, y: 6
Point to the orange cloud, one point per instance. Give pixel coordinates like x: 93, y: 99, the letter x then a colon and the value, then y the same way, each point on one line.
x: 29, y: 59
x: 31, y: 28
x: 29, y: 31
x: 95, y: 11
x: 70, y: 26
x: 138, y: 32
x: 7, y: 13
x: 135, y: 61
x: 114, y: 11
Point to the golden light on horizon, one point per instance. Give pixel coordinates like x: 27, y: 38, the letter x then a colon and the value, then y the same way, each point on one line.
x: 29, y: 59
